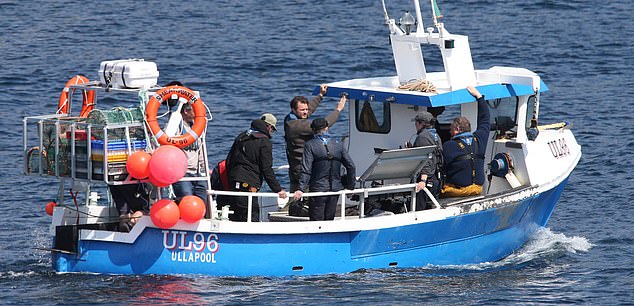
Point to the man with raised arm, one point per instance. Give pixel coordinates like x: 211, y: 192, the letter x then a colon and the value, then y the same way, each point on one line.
x: 463, y: 154
x: 297, y: 130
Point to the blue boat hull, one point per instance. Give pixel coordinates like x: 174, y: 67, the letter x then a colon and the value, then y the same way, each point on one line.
x: 484, y: 236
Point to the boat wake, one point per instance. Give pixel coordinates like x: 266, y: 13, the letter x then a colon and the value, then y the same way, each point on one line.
x: 543, y: 246
x: 546, y: 243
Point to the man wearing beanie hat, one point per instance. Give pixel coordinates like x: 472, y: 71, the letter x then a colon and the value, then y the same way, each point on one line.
x: 249, y: 162
x: 321, y: 171
x: 297, y: 130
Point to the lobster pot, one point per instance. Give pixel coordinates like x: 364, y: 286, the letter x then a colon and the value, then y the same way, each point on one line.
x: 115, y: 120
x: 57, y: 145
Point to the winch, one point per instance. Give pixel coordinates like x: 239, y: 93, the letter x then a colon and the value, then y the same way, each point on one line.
x: 502, y: 166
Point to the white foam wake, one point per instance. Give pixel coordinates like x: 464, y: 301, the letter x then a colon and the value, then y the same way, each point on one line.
x: 543, y: 244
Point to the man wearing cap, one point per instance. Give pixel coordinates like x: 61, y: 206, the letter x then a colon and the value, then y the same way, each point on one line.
x: 429, y: 175
x: 464, y: 154
x: 249, y: 162
x: 321, y: 171
x: 297, y: 130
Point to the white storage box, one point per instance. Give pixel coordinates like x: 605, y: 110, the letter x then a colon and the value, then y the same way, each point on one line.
x: 130, y: 73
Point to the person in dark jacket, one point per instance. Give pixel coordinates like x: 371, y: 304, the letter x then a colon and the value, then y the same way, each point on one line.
x: 321, y: 171
x: 132, y: 202
x: 297, y: 130
x: 464, y: 154
x: 249, y: 162
x: 429, y: 175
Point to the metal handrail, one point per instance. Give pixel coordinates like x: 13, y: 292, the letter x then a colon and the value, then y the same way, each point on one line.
x: 365, y: 192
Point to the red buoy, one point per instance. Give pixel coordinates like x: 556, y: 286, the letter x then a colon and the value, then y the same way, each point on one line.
x: 138, y: 164
x: 50, y: 206
x: 164, y: 213
x: 192, y: 208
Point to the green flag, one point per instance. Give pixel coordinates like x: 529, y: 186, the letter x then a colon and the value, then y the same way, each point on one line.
x: 436, y: 10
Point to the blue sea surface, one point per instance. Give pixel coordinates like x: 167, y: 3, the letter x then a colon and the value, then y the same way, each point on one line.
x: 248, y: 57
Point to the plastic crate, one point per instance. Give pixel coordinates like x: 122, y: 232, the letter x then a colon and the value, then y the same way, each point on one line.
x: 117, y: 150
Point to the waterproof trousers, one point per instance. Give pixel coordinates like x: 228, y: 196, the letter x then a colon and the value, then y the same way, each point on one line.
x: 322, y: 208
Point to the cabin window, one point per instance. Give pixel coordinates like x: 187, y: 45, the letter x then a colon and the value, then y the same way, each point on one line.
x: 372, y: 117
x: 503, y: 113
x: 530, y: 108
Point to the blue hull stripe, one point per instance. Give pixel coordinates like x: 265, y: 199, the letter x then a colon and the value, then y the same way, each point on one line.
x: 469, y: 239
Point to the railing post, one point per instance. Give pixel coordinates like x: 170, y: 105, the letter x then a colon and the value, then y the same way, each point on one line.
x: 105, y: 154
x: 57, y: 148
x: 362, y: 206
x: 89, y: 152
x: 343, y: 204
x: 41, y: 133
x: 249, y: 206
x: 72, y: 151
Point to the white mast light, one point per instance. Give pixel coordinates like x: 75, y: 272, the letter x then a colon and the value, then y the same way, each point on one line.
x: 407, y: 21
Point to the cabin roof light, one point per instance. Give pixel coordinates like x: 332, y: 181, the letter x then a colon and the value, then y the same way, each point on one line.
x: 407, y: 21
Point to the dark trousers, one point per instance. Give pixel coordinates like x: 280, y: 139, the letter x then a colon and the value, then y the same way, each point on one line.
x: 239, y: 205
x: 322, y: 208
x: 422, y: 200
x: 294, y: 174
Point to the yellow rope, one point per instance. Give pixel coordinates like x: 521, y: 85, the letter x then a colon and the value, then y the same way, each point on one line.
x: 552, y: 126
x: 418, y: 85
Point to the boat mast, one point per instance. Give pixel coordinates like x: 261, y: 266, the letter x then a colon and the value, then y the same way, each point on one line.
x: 408, y: 56
x: 419, y: 17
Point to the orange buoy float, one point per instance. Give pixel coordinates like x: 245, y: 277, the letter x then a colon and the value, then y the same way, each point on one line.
x: 88, y: 97
x: 164, y: 213
x: 200, y: 116
x: 138, y: 164
x: 50, y: 207
x: 192, y: 208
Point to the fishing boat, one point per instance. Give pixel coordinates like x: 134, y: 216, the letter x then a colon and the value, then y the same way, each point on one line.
x: 528, y: 165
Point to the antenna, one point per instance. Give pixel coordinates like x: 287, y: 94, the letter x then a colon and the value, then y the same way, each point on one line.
x: 387, y: 18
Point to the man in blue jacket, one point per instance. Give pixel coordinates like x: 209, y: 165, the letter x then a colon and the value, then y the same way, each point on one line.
x: 463, y: 154
x: 321, y: 171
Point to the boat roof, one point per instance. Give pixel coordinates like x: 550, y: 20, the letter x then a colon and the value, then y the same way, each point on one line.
x: 385, y: 89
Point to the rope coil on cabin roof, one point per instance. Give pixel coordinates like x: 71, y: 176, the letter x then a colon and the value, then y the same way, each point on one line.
x: 418, y: 85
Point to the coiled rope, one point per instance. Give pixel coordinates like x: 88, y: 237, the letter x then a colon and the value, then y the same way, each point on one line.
x: 418, y: 85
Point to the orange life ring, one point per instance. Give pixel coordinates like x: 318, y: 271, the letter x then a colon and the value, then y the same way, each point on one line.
x: 200, y: 116
x: 88, y: 97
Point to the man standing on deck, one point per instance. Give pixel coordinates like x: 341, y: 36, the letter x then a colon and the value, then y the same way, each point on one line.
x: 463, y: 154
x: 195, y: 161
x: 429, y: 175
x: 321, y: 171
x: 297, y: 130
x: 249, y: 162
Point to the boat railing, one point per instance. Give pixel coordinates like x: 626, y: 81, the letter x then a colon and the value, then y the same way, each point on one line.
x: 363, y: 193
x: 70, y: 147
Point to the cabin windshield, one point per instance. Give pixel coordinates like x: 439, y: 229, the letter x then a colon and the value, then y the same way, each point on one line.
x: 373, y: 117
x: 503, y: 114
